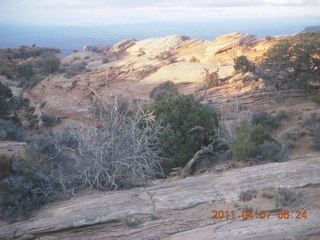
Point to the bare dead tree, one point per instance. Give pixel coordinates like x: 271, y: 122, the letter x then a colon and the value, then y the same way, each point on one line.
x: 122, y: 152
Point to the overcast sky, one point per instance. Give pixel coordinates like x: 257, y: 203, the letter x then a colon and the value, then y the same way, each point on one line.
x: 106, y: 12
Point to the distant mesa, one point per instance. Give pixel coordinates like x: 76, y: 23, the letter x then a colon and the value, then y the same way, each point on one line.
x: 96, y: 49
x: 312, y: 29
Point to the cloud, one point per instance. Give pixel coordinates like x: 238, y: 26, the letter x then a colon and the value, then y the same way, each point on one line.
x: 293, y: 2
x: 168, y: 3
x: 101, y: 12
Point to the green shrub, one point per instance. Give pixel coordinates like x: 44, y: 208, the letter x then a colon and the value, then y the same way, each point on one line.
x: 5, y: 97
x: 243, y: 65
x: 5, y: 167
x: 19, y: 197
x: 51, y: 65
x: 49, y: 121
x: 316, y: 139
x: 316, y: 100
x: 164, y: 90
x: 242, y: 147
x: 10, y: 131
x: 179, y: 114
x: 259, y: 134
x: 26, y: 70
x: 254, y: 143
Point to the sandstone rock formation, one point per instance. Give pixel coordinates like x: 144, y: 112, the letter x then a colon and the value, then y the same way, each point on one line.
x: 134, y: 67
x: 181, y: 209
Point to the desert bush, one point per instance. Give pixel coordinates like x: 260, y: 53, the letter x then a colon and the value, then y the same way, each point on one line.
x: 243, y: 64
x: 163, y: 55
x: 122, y: 152
x: 194, y: 59
x: 268, y: 151
x: 262, y: 117
x: 5, y: 167
x: 316, y: 139
x: 211, y: 79
x: 164, y: 90
x: 49, y: 121
x: 39, y: 64
x: 5, y: 97
x: 48, y: 162
x: 75, y: 69
x: 25, y: 70
x: 19, y: 198
x: 312, y: 121
x: 10, y: 131
x: 242, y: 147
x: 51, y: 65
x: 45, y: 175
x: 105, y: 60
x: 247, y: 195
x: 283, y: 114
x: 130, y: 221
x: 179, y: 114
x: 249, y: 141
x: 316, y: 100
x: 283, y: 197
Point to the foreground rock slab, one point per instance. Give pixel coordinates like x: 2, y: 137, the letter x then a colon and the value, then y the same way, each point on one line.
x: 175, y: 210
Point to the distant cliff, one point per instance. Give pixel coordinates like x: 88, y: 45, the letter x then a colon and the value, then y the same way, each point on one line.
x: 312, y: 29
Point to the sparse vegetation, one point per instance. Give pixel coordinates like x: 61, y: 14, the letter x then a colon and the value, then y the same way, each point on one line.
x: 268, y: 152
x: 316, y: 138
x: 283, y: 197
x: 247, y: 195
x: 19, y: 198
x: 194, y: 59
x: 5, y: 167
x: 10, y: 131
x: 262, y: 117
x: 130, y: 221
x: 311, y: 122
x: 5, y: 97
x: 316, y: 100
x: 211, y: 79
x: 164, y: 55
x: 105, y: 60
x: 75, y: 69
x: 49, y: 121
x: 283, y: 114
